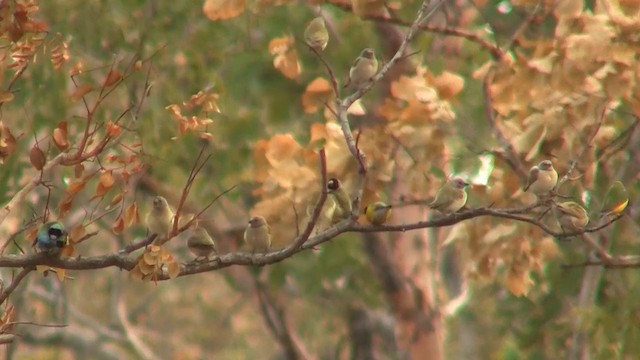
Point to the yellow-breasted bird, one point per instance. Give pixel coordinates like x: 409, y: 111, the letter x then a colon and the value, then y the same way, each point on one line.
x: 160, y: 220
x: 377, y: 213
x: 451, y: 197
x: 571, y: 216
x: 542, y: 178
x: 363, y: 69
x: 200, y: 243
x: 343, y: 201
x: 258, y: 234
x: 316, y: 34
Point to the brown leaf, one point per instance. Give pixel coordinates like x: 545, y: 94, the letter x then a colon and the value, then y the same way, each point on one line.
x: 6, y: 96
x: 76, y: 233
x: 60, y: 136
x: 131, y: 216
x: 113, y: 129
x: 107, y: 179
x: 118, y: 226
x: 223, y: 9
x: 317, y: 93
x: 81, y: 91
x: 7, y: 142
x: 60, y: 274
x: 65, y: 205
x: 78, y: 170
x: 112, y: 77
x: 173, y: 269
x: 286, y: 57
x: 37, y: 157
x: 116, y: 199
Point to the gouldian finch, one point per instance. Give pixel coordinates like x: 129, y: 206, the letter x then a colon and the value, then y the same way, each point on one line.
x: 200, y: 243
x: 51, y: 238
x: 316, y: 34
x: 377, y: 213
x: 258, y: 234
x: 616, y: 200
x: 542, y: 178
x: 160, y: 220
x: 341, y: 198
x: 571, y: 216
x: 363, y: 69
x: 451, y: 197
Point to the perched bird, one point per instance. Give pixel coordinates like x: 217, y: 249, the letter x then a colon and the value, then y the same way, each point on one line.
x: 325, y: 219
x: 51, y: 238
x: 160, y: 220
x: 451, y: 197
x: 343, y: 201
x: 363, y: 69
x: 200, y: 243
x: 316, y: 34
x: 377, y: 213
x: 616, y: 200
x: 571, y: 216
x: 258, y: 234
x: 542, y: 178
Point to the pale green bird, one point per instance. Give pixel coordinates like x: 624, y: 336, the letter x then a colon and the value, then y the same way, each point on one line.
x: 316, y: 34
x: 363, y: 69
x: 616, y: 200
x: 571, y: 216
x: 377, y: 213
x: 542, y: 178
x: 451, y: 197
x: 160, y: 220
x: 258, y: 234
x: 343, y: 201
x: 201, y: 244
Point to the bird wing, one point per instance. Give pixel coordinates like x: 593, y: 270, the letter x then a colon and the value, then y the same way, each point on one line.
x: 533, y: 176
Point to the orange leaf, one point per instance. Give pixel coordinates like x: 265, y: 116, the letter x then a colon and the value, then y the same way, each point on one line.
x: 116, y: 199
x: 76, y: 187
x: 173, y: 268
x: 113, y: 129
x: 81, y: 91
x: 78, y: 170
x: 65, y: 205
x: 37, y: 158
x: 76, y: 233
x: 60, y: 274
x: 112, y: 77
x: 131, y: 215
x: 223, y: 9
x: 6, y: 96
x: 60, y: 136
x: 118, y: 226
x: 107, y: 179
x: 317, y: 93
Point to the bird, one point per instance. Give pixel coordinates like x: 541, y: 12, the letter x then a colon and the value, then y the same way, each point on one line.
x: 377, y: 213
x: 616, y: 200
x: 51, y: 238
x: 542, y: 178
x: 258, y: 234
x: 363, y: 69
x: 316, y: 34
x: 200, y: 243
x: 451, y: 197
x: 343, y: 201
x: 160, y: 220
x: 571, y: 216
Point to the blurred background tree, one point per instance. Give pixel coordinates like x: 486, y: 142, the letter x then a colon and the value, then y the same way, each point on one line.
x: 131, y: 92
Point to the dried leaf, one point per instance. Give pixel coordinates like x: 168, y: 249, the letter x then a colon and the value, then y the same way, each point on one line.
x: 286, y: 57
x: 7, y: 142
x: 76, y: 233
x: 173, y: 269
x: 78, y: 170
x: 112, y: 78
x: 60, y: 274
x: 37, y: 157
x: 223, y: 9
x: 80, y: 92
x: 131, y: 216
x: 60, y: 136
x: 118, y: 226
x: 6, y: 96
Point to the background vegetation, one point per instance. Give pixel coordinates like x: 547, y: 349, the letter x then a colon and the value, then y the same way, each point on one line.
x: 107, y: 104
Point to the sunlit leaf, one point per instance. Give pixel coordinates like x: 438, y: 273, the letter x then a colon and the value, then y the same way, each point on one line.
x: 223, y: 9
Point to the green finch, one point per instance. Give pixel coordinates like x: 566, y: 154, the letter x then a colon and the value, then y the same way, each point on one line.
x: 51, y: 238
x: 616, y: 200
x: 377, y: 213
x: 316, y: 34
x: 341, y: 198
x: 200, y: 243
x: 258, y: 234
x: 542, y: 178
x: 571, y: 216
x: 451, y: 197
x: 160, y: 220
x: 363, y: 69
